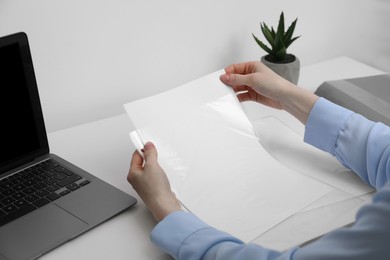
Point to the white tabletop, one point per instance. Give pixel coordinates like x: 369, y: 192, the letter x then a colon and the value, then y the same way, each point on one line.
x: 104, y: 149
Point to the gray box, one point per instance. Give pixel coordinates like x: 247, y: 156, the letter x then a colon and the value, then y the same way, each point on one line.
x: 368, y: 96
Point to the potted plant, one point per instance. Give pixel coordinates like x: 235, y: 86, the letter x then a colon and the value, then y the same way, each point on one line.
x: 285, y: 64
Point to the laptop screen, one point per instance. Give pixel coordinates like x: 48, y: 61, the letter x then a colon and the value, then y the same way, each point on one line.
x: 22, y: 134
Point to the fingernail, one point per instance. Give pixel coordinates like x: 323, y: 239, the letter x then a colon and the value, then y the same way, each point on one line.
x: 225, y: 77
x: 148, y: 145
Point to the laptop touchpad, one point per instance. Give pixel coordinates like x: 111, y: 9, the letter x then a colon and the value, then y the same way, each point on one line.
x: 42, y: 228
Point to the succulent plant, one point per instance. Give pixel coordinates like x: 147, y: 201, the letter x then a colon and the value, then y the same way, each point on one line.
x: 279, y: 40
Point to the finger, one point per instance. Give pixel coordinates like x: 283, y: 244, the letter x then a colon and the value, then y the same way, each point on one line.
x: 150, y: 153
x: 240, y: 68
x: 136, y: 161
x: 245, y: 96
x: 235, y: 68
x: 135, y: 166
x: 240, y: 88
x: 236, y: 79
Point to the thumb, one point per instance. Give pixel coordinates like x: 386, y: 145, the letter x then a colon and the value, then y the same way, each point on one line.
x: 150, y: 152
x: 235, y: 79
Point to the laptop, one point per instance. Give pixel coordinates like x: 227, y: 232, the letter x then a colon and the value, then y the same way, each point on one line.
x: 45, y: 200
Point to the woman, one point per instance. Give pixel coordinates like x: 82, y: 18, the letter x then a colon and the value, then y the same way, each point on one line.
x: 358, y: 143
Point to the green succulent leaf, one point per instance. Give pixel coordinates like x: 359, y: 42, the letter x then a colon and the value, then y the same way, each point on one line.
x: 280, y: 29
x: 268, y: 34
x: 291, y: 41
x: 262, y: 45
x: 273, y: 32
x: 281, y: 54
x: 290, y: 31
x: 279, y: 41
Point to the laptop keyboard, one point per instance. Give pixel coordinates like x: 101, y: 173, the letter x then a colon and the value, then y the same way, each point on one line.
x: 35, y: 187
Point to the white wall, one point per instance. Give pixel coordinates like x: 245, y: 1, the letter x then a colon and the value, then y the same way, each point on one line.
x: 92, y: 56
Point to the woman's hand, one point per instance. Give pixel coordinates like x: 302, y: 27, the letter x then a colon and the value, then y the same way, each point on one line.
x: 256, y: 82
x: 151, y: 183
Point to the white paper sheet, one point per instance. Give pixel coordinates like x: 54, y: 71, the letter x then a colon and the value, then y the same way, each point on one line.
x: 218, y: 169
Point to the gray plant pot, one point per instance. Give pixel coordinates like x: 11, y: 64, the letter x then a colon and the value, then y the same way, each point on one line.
x: 289, y: 71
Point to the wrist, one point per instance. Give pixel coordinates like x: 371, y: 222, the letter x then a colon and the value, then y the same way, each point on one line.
x: 163, y: 208
x: 297, y: 101
x: 160, y: 215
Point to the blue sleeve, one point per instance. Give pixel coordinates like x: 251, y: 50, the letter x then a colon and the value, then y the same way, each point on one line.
x: 184, y: 236
x: 359, y: 144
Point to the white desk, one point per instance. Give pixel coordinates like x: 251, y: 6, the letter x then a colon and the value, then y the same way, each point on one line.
x: 104, y: 149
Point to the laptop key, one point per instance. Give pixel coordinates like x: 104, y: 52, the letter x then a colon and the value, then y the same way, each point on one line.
x: 83, y: 183
x: 50, y: 181
x: 5, y: 185
x: 32, y: 197
x: 73, y: 186
x: 67, y: 172
x: 63, y: 170
x: 69, y: 180
x: 17, y: 180
x: 48, y: 165
x: 26, y: 176
x: 30, y: 183
x: 19, y: 195
x: 7, y: 201
x: 19, y: 187
x: 9, y: 192
x: 16, y: 214
x: 10, y: 208
x: 64, y: 192
x: 59, y: 176
x: 42, y: 193
x: 40, y: 177
x: 29, y: 191
x: 21, y: 203
x: 40, y: 186
x: 41, y: 202
x: 53, y: 196
x: 50, y: 173
x: 59, y: 168
x: 53, y: 187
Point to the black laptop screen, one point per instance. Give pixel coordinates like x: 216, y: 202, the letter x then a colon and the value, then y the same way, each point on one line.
x: 21, y: 118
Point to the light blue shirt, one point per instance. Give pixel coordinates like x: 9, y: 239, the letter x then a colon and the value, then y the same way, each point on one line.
x: 360, y: 145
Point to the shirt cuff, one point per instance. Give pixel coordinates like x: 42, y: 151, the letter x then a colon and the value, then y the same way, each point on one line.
x: 184, y: 236
x: 324, y: 123
x: 170, y: 233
